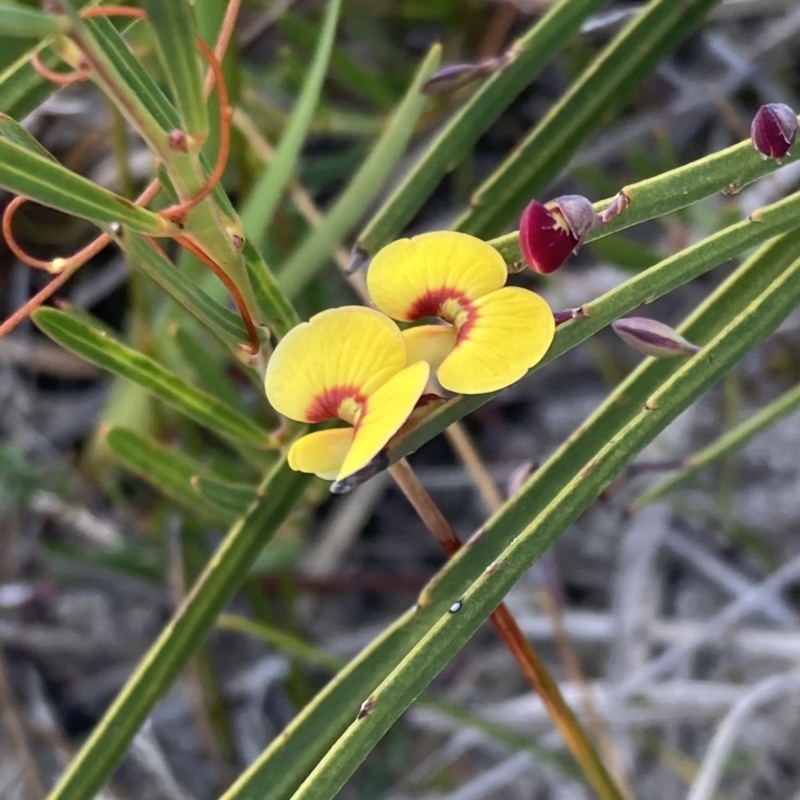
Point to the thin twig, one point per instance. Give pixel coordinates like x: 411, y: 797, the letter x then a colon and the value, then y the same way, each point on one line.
x: 529, y: 662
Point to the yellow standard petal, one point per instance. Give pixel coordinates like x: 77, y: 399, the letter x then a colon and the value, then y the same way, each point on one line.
x: 511, y: 331
x: 326, y: 367
x: 321, y: 452
x: 431, y: 343
x: 433, y: 275
x: 386, y: 411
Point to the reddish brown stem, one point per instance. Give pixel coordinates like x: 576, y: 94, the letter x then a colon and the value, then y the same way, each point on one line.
x: 59, y: 78
x: 198, y: 252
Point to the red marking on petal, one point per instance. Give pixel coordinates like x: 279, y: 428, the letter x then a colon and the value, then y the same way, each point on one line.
x: 430, y: 304
x: 327, y: 404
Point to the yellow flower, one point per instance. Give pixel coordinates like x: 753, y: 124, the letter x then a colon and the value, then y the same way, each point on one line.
x: 493, y: 333
x: 349, y: 364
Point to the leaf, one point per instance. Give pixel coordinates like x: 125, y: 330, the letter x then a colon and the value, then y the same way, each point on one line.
x: 279, y: 770
x: 72, y: 331
x: 525, y: 540
x: 175, y: 39
x: 453, y: 143
x: 729, y: 442
x: 23, y: 21
x: 169, y: 472
x: 11, y: 129
x: 260, y: 207
x: 365, y: 185
x: 644, y: 287
x: 604, y: 85
x: 223, y: 575
x: 44, y: 180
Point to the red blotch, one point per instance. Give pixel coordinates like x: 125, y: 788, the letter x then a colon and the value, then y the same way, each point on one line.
x: 326, y: 404
x: 430, y: 305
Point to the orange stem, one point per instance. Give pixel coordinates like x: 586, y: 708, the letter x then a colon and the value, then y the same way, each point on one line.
x: 113, y: 11
x: 59, y: 78
x: 223, y: 39
x: 197, y: 251
x: 179, y: 210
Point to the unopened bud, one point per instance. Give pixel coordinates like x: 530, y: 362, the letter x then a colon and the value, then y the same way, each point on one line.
x: 774, y: 130
x: 550, y: 232
x: 653, y: 338
x: 451, y: 77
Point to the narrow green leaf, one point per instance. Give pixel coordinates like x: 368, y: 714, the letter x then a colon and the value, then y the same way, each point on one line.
x: 311, y: 733
x: 549, y: 35
x: 735, y: 167
x: 728, y: 443
x: 169, y: 472
x: 22, y: 88
x: 224, y: 574
x: 11, y: 129
x: 364, y: 187
x: 644, y: 287
x: 232, y: 498
x: 72, y: 331
x: 27, y: 22
x: 260, y: 206
x: 176, y: 44
x: 605, y: 84
x: 44, y: 180
x: 524, y: 544
x: 217, y: 319
x: 274, y: 304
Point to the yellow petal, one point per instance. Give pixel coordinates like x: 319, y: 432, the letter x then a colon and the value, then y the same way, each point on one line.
x: 321, y: 452
x: 408, y: 278
x: 512, y: 330
x: 350, y: 349
x: 431, y: 343
x: 386, y: 411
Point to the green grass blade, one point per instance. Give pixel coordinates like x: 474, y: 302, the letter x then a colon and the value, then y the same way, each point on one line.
x: 453, y: 143
x: 227, y: 496
x: 307, y: 738
x: 271, y: 300
x: 364, y: 187
x: 731, y: 441
x: 169, y: 472
x: 524, y: 544
x: 11, y: 129
x: 95, y: 344
x: 224, y: 574
x: 644, y: 287
x: 260, y: 207
x: 44, y: 180
x: 604, y: 85
x: 175, y: 39
x: 27, y: 22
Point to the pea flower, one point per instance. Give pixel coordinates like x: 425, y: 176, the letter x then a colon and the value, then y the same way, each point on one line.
x: 488, y: 335
x: 345, y: 364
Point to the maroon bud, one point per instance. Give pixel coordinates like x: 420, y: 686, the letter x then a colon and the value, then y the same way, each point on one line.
x: 176, y: 139
x: 550, y: 232
x: 653, y: 338
x: 774, y: 130
x: 451, y: 77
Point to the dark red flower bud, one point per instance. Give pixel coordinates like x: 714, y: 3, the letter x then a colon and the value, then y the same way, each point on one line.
x: 549, y: 232
x: 774, y: 130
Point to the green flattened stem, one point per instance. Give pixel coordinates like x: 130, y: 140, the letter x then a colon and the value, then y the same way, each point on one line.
x: 531, y: 52
x: 605, y: 84
x: 363, y: 188
x: 727, y: 170
x: 173, y: 24
x: 642, y: 288
x: 38, y: 176
x: 522, y: 544
x: 728, y: 443
x: 94, y: 343
x: 278, y: 771
x: 169, y: 472
x: 224, y: 574
x: 19, y: 20
x: 268, y: 190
